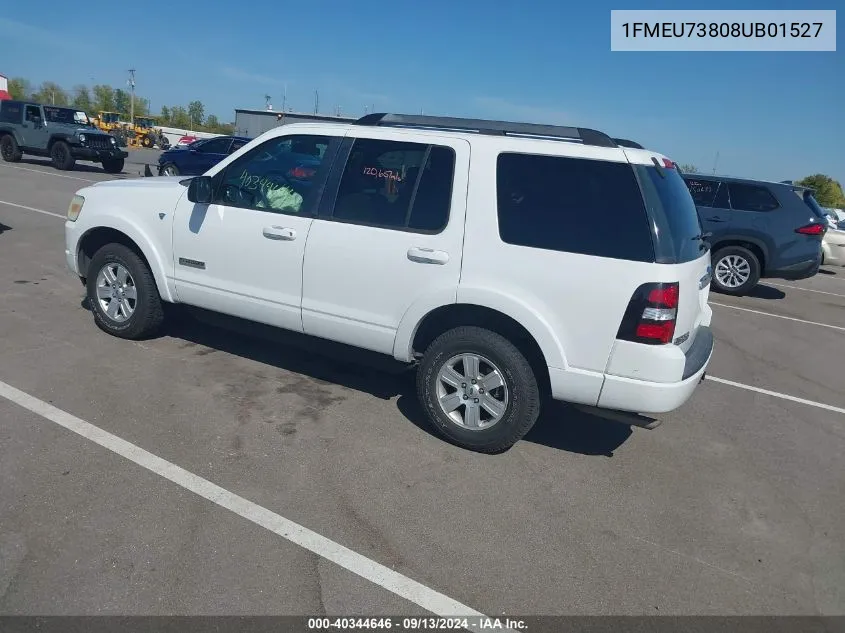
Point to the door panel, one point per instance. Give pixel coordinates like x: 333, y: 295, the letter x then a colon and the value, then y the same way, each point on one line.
x: 388, y: 241
x: 243, y: 255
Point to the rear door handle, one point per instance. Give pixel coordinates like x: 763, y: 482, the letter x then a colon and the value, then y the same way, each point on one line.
x: 427, y: 255
x: 279, y: 233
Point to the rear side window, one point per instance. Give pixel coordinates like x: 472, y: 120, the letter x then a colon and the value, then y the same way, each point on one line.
x: 397, y: 185
x: 703, y: 191
x: 677, y: 235
x: 751, y: 197
x: 10, y: 112
x: 573, y: 205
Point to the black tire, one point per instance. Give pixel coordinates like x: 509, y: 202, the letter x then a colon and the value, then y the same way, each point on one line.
x: 60, y: 155
x: 148, y: 141
x: 162, y: 171
x: 744, y: 255
x: 148, y: 314
x: 524, y: 401
x: 9, y: 149
x: 114, y: 166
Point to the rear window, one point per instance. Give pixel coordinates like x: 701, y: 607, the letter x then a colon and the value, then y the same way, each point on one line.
x: 573, y: 205
x: 670, y: 204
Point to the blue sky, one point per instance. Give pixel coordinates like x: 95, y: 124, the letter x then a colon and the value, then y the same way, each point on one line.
x: 769, y: 115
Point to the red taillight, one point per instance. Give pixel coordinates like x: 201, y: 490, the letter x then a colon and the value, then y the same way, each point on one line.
x: 301, y: 172
x: 665, y: 296
x: 651, y: 314
x: 812, y: 229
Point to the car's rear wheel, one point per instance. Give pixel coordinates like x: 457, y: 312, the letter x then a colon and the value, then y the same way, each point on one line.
x: 122, y: 293
x: 61, y: 157
x: 169, y: 169
x: 736, y: 270
x: 478, y: 389
x: 9, y: 149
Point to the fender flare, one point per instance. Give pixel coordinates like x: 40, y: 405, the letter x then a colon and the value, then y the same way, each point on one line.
x: 131, y: 230
x: 733, y: 237
x: 536, y: 325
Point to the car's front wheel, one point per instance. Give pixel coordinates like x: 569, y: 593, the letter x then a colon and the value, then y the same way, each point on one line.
x: 478, y: 389
x: 736, y: 270
x: 61, y: 156
x: 122, y: 293
x: 169, y: 169
x: 114, y: 166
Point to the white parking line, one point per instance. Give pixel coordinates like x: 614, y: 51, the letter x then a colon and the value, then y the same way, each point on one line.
x: 350, y: 560
x: 50, y: 173
x: 20, y: 206
x: 776, y: 394
x: 778, y: 316
x: 821, y: 292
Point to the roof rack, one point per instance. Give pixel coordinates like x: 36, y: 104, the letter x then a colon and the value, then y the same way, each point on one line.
x: 623, y: 142
x: 484, y: 126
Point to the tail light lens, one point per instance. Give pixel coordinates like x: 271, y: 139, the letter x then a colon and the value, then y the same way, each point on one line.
x: 812, y: 229
x: 651, y: 314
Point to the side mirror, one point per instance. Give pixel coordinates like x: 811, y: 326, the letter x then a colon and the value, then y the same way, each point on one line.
x: 200, y: 190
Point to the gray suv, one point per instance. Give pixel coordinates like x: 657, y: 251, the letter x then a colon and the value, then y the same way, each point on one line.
x: 758, y: 229
x: 63, y: 134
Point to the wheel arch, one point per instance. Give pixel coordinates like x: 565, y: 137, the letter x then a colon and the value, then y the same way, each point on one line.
x: 758, y: 247
x: 96, y: 237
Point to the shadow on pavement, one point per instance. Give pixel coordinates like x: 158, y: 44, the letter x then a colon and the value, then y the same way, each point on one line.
x: 561, y: 426
x: 4, y: 228
x: 762, y: 291
x: 825, y: 271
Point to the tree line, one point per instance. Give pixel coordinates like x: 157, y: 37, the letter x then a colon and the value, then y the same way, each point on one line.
x: 105, y: 98
x: 826, y: 190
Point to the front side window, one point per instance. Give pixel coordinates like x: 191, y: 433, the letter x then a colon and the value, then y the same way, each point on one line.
x: 33, y: 114
x: 573, y: 205
x: 280, y: 176
x: 751, y: 198
x: 237, y: 144
x: 396, y: 185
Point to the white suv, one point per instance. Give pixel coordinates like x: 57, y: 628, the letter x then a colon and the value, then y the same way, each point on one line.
x: 510, y: 261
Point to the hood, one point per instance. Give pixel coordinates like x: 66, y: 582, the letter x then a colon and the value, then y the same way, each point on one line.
x: 75, y: 128
x: 158, y: 182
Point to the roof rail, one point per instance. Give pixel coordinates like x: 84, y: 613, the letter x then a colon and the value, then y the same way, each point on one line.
x: 484, y: 126
x: 623, y: 142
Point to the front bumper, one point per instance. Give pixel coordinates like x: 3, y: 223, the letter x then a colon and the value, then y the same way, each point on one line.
x: 97, y: 155
x: 645, y: 396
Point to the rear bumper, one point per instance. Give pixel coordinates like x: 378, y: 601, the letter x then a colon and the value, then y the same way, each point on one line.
x: 801, y: 270
x: 97, y: 155
x: 644, y: 396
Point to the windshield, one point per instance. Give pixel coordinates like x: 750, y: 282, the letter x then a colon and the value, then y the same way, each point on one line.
x: 62, y: 115
x: 110, y: 117
x: 144, y: 122
x: 677, y: 228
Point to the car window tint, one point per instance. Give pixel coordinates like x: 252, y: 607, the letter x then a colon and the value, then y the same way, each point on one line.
x: 237, y: 144
x: 396, y: 185
x: 703, y: 191
x: 215, y: 146
x: 751, y: 197
x: 33, y: 113
x: 572, y: 204
x: 722, y: 201
x: 10, y: 112
x: 280, y: 176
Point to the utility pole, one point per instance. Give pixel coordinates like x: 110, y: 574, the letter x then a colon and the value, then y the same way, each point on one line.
x: 316, y: 102
x: 715, y: 162
x: 131, y: 83
x: 285, y: 99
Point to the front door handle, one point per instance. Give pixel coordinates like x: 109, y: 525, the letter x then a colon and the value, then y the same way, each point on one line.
x: 279, y: 233
x: 716, y: 218
x: 427, y: 255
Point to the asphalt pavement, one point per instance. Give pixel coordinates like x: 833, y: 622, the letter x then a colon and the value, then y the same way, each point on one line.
x: 732, y: 506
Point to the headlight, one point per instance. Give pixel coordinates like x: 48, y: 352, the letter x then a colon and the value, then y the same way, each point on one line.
x: 82, y: 138
x: 75, y: 208
x: 113, y: 142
